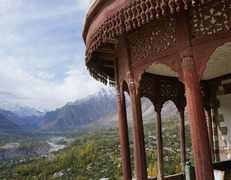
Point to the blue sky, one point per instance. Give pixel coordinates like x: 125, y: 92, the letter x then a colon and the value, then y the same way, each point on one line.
x: 42, y: 53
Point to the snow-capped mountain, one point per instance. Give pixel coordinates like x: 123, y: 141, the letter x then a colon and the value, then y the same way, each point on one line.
x: 20, y: 110
x: 81, y: 112
x: 27, y: 118
x: 99, y: 109
x: 108, y: 92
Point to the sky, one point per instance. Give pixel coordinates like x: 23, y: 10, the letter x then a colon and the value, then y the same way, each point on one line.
x: 42, y: 54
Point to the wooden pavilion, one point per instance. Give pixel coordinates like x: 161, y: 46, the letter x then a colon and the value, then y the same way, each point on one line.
x: 178, y: 50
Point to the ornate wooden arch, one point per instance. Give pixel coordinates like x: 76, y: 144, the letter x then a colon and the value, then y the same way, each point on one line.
x: 159, y: 89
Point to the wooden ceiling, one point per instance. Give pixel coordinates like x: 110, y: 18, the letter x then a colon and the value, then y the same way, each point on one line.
x: 105, y: 55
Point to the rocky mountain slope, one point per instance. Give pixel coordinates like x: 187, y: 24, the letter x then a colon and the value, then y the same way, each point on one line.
x: 99, y: 109
x: 8, y: 126
x: 27, y: 118
x: 81, y: 112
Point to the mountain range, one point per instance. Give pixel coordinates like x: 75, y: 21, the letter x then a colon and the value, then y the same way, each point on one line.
x: 8, y: 126
x: 99, y: 109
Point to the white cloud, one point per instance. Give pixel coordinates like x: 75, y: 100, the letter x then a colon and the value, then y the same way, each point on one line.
x: 39, y: 41
x: 37, y: 93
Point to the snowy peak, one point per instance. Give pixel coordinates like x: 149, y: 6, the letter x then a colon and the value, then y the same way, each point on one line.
x: 21, y: 111
x: 83, y: 111
x: 103, y: 93
x: 108, y: 92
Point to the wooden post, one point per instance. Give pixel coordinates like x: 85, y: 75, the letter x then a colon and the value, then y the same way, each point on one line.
x: 123, y: 128
x: 138, y: 135
x: 124, y: 141
x: 198, y: 126
x: 159, y: 142
x: 182, y: 139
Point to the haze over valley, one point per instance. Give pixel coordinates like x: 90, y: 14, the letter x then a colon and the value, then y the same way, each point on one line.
x: 28, y: 135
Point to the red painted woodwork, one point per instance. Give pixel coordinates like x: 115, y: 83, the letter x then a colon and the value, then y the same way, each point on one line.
x: 146, y: 37
x: 157, y: 37
x: 181, y: 108
x: 182, y: 139
x: 138, y: 135
x: 159, y: 142
x: 124, y: 141
x: 123, y: 128
x: 198, y: 126
x: 112, y: 18
x: 203, y: 51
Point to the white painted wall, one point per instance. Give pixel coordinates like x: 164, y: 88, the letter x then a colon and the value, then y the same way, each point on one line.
x: 225, y: 110
x: 91, y: 2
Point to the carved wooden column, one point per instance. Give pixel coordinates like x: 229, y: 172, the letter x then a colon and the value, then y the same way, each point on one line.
x: 159, y: 142
x: 138, y: 134
x: 198, y: 126
x: 123, y: 129
x: 181, y: 108
x: 124, y: 140
x: 182, y: 138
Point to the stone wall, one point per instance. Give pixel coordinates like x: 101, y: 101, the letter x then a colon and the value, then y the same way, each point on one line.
x: 221, y: 113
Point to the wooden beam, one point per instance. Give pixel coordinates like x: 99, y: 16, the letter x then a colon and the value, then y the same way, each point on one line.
x: 106, y: 50
x: 112, y: 41
x: 108, y: 66
x: 106, y: 57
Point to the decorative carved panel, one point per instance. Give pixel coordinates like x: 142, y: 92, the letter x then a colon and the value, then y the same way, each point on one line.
x: 121, y: 64
x: 147, y: 88
x: 210, y: 18
x: 159, y: 89
x: 153, y: 39
x: 168, y: 89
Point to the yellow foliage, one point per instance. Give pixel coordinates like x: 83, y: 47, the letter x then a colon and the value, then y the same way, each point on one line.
x: 178, y: 168
x: 153, y: 170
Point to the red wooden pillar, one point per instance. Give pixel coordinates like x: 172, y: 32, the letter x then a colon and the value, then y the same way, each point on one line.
x: 124, y: 141
x: 182, y: 138
x: 138, y: 135
x: 123, y: 128
x: 159, y: 142
x: 198, y: 127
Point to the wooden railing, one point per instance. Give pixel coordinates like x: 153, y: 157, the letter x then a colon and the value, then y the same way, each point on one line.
x: 172, y: 177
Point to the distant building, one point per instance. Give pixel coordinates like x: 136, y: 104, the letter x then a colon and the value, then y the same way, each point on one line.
x: 178, y: 50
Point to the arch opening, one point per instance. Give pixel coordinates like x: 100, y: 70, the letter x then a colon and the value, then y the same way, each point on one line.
x: 219, y: 63
x: 218, y: 75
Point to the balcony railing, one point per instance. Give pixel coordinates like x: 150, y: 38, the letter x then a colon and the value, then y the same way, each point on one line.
x: 172, y: 177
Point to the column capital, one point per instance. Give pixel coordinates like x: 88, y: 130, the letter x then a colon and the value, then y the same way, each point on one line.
x: 158, y: 107
x: 187, y: 61
x: 185, y: 52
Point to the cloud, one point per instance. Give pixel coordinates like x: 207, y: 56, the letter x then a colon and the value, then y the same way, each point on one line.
x: 42, y: 52
x: 35, y: 92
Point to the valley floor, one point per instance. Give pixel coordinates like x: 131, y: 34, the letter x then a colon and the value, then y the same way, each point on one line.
x: 96, y: 155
